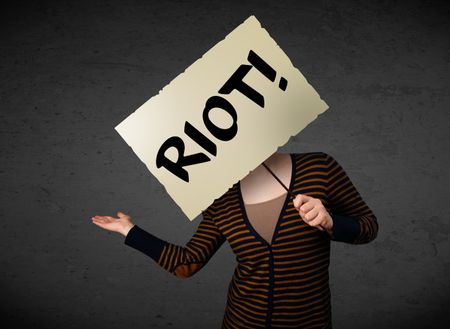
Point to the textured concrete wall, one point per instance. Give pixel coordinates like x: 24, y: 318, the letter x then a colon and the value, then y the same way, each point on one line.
x: 71, y: 71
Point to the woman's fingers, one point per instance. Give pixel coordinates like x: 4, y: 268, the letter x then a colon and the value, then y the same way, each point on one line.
x: 313, y: 218
x: 311, y: 215
x: 98, y: 223
x: 317, y: 221
x: 106, y: 222
x: 120, y: 215
x: 105, y: 218
x: 309, y: 211
x: 111, y: 223
x: 307, y: 206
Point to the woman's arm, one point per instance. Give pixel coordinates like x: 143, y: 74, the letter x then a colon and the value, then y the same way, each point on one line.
x: 180, y: 261
x: 353, y: 220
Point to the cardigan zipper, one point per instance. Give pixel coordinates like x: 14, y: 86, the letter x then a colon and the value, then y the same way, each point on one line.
x: 289, y: 197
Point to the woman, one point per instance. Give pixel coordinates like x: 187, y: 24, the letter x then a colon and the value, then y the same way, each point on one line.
x: 281, y: 239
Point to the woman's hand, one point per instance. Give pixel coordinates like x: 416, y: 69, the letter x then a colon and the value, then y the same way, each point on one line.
x: 122, y: 224
x: 313, y: 212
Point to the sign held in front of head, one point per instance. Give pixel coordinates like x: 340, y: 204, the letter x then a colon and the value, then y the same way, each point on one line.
x: 222, y: 117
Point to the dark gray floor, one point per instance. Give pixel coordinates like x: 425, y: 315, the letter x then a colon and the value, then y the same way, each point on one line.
x: 71, y: 71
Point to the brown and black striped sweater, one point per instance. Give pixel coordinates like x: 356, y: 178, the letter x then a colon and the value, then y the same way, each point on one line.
x: 284, y: 284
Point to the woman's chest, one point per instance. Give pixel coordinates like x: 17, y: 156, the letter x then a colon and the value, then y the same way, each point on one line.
x: 291, y: 235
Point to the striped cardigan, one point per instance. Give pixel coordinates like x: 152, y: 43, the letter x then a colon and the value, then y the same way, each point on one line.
x: 284, y: 284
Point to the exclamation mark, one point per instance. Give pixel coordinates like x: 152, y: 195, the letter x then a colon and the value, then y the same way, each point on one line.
x: 283, y: 84
x: 266, y: 69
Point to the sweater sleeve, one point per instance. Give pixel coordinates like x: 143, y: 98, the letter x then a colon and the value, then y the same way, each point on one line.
x: 181, y: 261
x: 353, y: 220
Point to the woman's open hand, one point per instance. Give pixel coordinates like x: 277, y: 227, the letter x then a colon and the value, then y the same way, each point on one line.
x: 313, y: 212
x: 122, y: 224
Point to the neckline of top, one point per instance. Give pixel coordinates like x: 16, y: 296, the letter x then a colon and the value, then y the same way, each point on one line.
x: 282, y: 211
x: 282, y: 196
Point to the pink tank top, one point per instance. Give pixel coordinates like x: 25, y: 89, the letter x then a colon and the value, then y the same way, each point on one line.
x: 264, y: 216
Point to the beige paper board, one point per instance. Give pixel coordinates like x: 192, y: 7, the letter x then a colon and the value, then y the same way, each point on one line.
x: 261, y: 129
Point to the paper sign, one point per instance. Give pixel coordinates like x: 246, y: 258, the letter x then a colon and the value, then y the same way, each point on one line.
x: 222, y: 117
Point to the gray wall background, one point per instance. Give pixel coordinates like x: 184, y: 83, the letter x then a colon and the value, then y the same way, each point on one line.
x: 71, y: 71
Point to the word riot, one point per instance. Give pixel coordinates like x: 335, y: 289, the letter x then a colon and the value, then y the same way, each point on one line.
x: 235, y: 82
